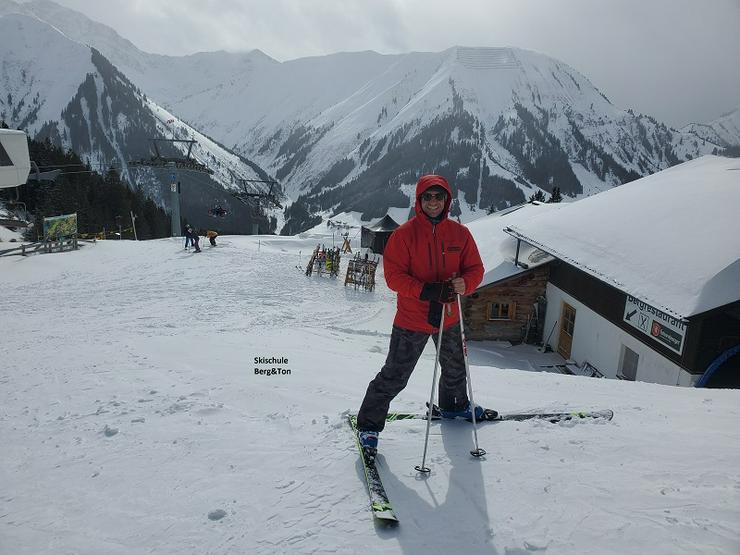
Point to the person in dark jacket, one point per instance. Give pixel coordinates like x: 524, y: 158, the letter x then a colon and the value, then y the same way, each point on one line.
x: 428, y: 261
x: 193, y: 236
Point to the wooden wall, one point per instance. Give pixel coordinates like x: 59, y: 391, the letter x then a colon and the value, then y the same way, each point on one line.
x: 522, y: 289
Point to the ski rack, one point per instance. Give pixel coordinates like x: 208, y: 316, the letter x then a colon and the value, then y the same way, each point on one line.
x: 324, y: 261
x: 361, y: 272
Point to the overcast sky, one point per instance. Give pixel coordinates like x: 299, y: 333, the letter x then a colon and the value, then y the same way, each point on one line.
x: 677, y: 60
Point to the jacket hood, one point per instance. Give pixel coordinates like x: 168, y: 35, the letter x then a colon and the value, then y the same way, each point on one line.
x: 431, y: 180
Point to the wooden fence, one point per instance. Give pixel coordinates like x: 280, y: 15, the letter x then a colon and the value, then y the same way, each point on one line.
x: 60, y: 245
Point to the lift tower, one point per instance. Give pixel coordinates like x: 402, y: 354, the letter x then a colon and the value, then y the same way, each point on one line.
x: 173, y: 164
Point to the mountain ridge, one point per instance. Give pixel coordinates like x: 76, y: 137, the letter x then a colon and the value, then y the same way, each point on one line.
x: 58, y: 89
x: 355, y: 129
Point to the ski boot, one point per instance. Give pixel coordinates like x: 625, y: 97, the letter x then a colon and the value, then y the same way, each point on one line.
x: 369, y: 443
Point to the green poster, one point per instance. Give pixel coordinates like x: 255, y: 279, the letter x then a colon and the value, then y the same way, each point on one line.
x: 60, y: 227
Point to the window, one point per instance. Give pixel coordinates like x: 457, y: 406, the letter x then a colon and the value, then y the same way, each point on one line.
x: 628, y: 362
x: 501, y: 310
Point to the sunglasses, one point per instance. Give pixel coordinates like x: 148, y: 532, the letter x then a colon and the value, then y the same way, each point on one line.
x: 433, y: 196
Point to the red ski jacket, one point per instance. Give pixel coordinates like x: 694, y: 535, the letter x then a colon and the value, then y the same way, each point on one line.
x: 418, y: 252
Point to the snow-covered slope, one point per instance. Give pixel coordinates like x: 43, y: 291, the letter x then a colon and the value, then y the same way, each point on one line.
x: 53, y: 87
x: 41, y: 72
x: 140, y: 425
x: 724, y: 131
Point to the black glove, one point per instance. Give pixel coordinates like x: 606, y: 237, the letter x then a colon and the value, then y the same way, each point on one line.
x: 439, y: 291
x: 434, y: 316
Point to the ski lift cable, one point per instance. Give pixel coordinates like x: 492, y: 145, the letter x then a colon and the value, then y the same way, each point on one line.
x: 70, y: 165
x: 73, y: 173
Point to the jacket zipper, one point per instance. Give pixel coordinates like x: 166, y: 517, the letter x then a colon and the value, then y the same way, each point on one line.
x: 436, y: 251
x: 436, y: 256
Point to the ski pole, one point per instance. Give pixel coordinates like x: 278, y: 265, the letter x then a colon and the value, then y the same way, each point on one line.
x: 548, y: 337
x: 421, y: 467
x: 477, y: 452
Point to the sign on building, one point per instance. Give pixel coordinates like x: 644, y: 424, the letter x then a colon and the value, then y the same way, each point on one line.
x: 662, y: 327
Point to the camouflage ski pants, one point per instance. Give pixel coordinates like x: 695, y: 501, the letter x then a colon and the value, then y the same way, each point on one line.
x: 405, y: 349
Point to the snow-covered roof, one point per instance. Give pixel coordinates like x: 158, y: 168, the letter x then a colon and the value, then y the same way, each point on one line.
x: 671, y: 239
x: 386, y: 223
x: 498, y: 249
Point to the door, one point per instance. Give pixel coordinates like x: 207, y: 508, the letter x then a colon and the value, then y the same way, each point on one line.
x: 568, y: 324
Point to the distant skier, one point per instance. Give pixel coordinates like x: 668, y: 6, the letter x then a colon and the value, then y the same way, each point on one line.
x: 190, y: 234
x: 211, y: 236
x: 420, y: 260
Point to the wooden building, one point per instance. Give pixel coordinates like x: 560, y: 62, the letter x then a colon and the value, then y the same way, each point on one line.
x: 509, y: 304
x: 508, y: 310
x: 645, y: 281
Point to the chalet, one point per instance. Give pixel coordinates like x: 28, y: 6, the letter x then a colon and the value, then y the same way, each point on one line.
x: 509, y: 304
x: 642, y: 282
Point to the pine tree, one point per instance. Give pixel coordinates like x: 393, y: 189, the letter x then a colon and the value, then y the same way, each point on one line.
x: 556, y: 196
x: 539, y: 196
x: 96, y: 199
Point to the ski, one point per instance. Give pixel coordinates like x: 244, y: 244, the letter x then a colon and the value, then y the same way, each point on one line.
x: 379, y: 503
x: 553, y: 417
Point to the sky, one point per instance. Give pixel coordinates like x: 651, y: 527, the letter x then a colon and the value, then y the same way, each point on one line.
x: 673, y: 59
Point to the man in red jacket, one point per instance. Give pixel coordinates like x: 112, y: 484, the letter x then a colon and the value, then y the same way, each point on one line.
x: 428, y: 261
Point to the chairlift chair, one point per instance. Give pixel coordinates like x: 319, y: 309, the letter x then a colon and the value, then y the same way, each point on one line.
x: 217, y: 211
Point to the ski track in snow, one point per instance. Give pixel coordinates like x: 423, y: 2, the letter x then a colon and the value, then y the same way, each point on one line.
x: 132, y: 421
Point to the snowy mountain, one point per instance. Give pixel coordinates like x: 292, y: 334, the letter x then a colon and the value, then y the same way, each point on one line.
x: 56, y: 88
x: 724, y: 131
x: 140, y: 425
x: 352, y: 131
x: 165, y: 78
x: 500, y: 122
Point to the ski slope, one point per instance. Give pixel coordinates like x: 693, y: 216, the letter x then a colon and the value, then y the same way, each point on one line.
x: 132, y: 421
